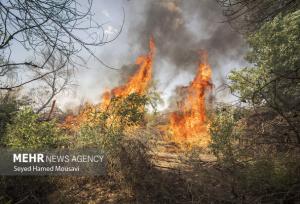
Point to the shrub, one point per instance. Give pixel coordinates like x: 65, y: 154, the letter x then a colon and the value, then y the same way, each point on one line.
x: 252, y: 169
x: 114, y: 123
x: 109, y: 125
x: 27, y: 132
x: 9, y: 106
x: 225, y: 134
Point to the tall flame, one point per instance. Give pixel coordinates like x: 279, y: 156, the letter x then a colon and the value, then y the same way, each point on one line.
x: 189, y: 123
x: 138, y: 83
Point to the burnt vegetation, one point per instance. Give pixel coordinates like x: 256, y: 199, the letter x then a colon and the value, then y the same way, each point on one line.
x: 253, y: 155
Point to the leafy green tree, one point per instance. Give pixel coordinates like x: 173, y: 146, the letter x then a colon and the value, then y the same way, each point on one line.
x: 274, y: 79
x: 250, y: 142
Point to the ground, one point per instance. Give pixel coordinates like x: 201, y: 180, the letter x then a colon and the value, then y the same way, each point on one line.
x: 174, y: 177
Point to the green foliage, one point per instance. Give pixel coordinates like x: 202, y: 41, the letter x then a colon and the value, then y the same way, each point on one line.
x: 129, y: 111
x: 7, y: 110
x: 274, y: 79
x: 253, y: 160
x: 154, y: 98
x: 254, y: 172
x: 121, y: 114
x: 9, y: 105
x: 225, y: 133
x: 270, y: 173
x: 27, y: 132
x: 246, y: 83
x: 276, y: 46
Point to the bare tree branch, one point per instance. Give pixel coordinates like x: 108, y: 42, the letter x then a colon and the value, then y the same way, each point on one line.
x: 248, y: 15
x: 66, y: 27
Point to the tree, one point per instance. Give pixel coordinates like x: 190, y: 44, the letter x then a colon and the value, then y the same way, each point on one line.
x: 249, y: 15
x: 65, y: 27
x: 51, y: 84
x: 257, y: 144
x: 274, y: 80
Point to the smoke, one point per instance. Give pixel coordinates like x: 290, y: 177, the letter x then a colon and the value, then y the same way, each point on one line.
x: 127, y: 71
x: 181, y: 28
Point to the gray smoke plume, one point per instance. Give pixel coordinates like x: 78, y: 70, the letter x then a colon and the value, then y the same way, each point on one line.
x: 181, y: 28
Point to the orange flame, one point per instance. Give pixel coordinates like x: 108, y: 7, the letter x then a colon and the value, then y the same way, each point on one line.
x: 189, y: 123
x: 138, y: 83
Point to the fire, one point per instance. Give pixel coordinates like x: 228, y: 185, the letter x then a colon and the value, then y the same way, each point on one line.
x: 138, y: 83
x: 189, y: 123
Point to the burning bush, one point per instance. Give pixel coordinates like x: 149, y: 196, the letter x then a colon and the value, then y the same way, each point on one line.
x: 138, y: 84
x: 120, y: 116
x: 126, y: 155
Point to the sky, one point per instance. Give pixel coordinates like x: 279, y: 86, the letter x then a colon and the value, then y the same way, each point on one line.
x: 180, y: 28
